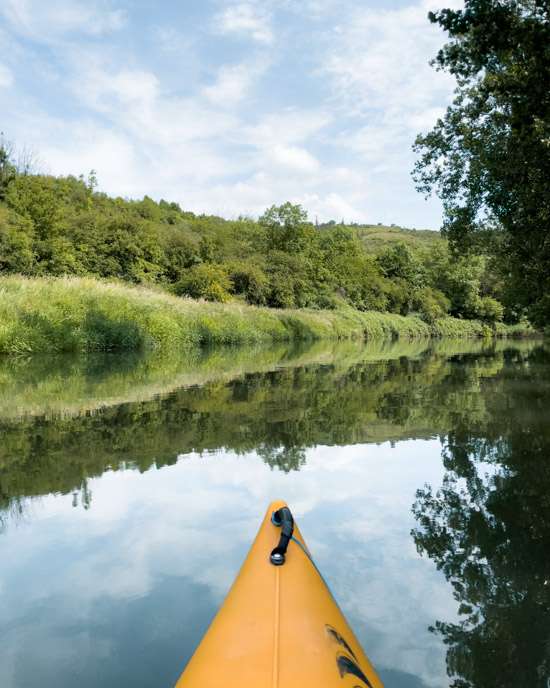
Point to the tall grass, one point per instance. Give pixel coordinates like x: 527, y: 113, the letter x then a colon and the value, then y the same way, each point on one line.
x: 81, y: 314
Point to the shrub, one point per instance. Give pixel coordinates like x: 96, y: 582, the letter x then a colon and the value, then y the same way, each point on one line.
x: 431, y: 304
x: 205, y: 281
x: 251, y: 282
x: 491, y: 310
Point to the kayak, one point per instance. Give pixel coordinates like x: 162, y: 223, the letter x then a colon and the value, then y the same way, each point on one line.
x: 279, y: 626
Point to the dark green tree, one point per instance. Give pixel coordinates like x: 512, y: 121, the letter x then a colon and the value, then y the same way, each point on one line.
x: 488, y: 530
x: 457, y: 277
x: 287, y: 229
x: 489, y: 157
x: 7, y: 169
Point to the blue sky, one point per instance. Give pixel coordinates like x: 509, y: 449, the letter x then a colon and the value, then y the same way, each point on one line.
x: 230, y: 106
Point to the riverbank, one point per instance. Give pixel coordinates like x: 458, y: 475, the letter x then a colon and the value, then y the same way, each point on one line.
x: 50, y: 315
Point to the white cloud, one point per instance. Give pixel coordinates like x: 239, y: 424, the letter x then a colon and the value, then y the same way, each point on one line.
x: 172, y: 40
x: 136, y: 105
x: 331, y: 207
x: 267, y: 187
x: 290, y: 126
x: 435, y: 5
x: 245, y: 19
x: 43, y: 22
x: 137, y: 88
x: 234, y: 82
x: 380, y: 62
x: 291, y: 161
x: 87, y: 146
x: 6, y: 77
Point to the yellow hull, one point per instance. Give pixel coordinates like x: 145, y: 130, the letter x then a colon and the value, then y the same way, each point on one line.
x: 279, y: 627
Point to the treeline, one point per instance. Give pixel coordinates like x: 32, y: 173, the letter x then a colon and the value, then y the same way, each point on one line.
x: 62, y: 226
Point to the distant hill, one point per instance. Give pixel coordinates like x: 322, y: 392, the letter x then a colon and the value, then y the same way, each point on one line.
x: 375, y: 238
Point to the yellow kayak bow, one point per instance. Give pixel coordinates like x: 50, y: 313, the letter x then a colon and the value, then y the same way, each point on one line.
x: 280, y: 626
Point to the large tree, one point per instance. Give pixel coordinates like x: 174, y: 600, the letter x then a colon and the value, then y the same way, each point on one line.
x: 489, y: 157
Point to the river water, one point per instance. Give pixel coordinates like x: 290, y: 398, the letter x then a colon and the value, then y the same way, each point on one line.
x: 131, y: 487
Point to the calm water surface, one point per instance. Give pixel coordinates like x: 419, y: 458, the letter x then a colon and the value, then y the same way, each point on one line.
x: 131, y: 488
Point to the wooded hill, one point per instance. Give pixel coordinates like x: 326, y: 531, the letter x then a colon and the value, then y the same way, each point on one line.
x: 377, y: 237
x: 62, y: 226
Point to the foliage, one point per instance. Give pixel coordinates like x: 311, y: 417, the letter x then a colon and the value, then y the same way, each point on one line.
x: 201, y: 400
x: 489, y: 157
x: 457, y: 277
x: 250, y: 282
x: 209, y: 282
x: 289, y: 284
x: 352, y: 275
x: 398, y: 261
x: 286, y: 229
x: 487, y: 529
x: 491, y: 310
x: 431, y: 304
x: 62, y: 226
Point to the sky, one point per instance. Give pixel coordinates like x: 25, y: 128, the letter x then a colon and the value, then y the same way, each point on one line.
x: 230, y: 106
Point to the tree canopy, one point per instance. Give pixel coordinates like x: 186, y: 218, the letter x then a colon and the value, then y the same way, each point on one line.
x: 63, y: 226
x: 488, y: 158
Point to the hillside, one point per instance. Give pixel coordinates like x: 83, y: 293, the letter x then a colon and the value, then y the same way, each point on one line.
x: 60, y: 226
x: 376, y: 238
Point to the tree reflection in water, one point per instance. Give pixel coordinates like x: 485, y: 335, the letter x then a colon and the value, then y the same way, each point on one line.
x: 488, y: 529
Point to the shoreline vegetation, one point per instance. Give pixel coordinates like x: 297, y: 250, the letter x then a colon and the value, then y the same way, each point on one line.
x: 75, y: 314
x: 81, y: 271
x: 276, y: 278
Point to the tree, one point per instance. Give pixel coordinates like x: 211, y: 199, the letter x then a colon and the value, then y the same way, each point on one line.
x: 489, y: 157
x: 487, y: 529
x: 400, y: 266
x: 457, y: 277
x: 205, y: 281
x: 286, y: 229
x: 398, y: 261
x: 7, y: 169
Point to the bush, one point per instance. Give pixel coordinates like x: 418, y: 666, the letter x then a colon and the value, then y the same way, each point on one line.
x: 251, y: 283
x: 491, y: 310
x: 203, y: 281
x: 431, y: 304
x: 289, y: 282
x: 398, y: 295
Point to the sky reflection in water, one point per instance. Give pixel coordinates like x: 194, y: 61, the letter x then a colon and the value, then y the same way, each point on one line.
x: 111, y: 577
x: 121, y: 593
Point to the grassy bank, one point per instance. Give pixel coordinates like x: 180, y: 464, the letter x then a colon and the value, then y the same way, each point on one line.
x: 81, y: 314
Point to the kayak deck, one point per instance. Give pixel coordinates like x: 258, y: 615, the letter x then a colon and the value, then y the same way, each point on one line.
x: 279, y: 626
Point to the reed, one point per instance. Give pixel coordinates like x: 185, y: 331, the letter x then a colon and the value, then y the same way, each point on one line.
x: 50, y: 315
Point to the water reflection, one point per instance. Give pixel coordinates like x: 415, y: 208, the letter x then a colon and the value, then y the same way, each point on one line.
x: 488, y: 529
x: 118, y: 590
x: 77, y: 426
x: 84, y: 593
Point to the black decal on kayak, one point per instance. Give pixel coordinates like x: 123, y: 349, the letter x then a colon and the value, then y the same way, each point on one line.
x: 347, y: 665
x: 334, y: 635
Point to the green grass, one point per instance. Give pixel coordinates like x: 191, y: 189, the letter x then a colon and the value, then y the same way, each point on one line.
x: 50, y: 315
x: 376, y: 238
